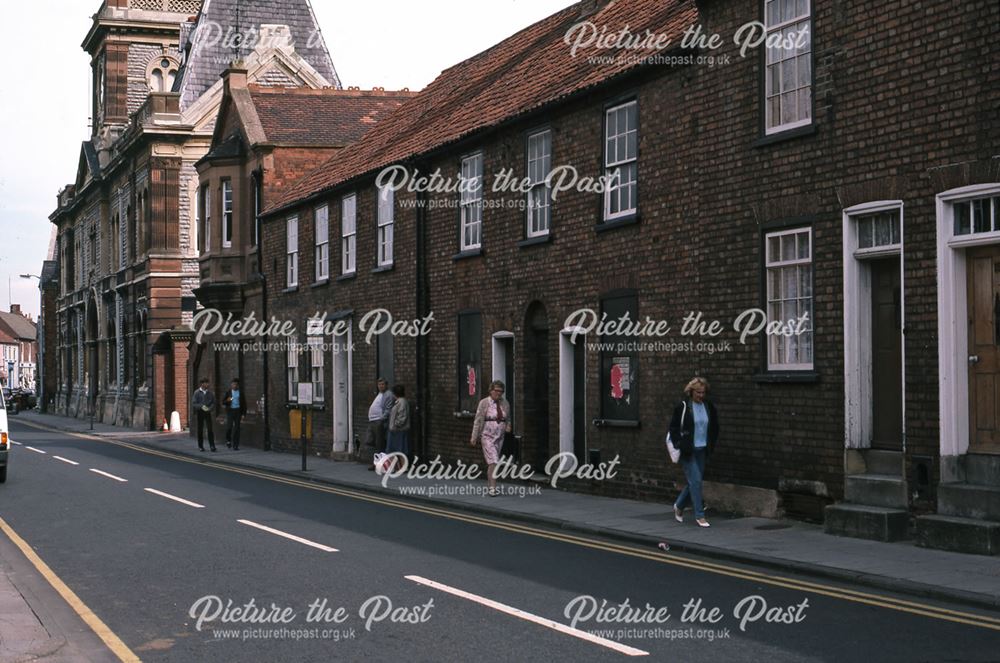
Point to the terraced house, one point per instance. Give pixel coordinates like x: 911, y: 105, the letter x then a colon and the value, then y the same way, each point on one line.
x: 127, y: 229
x: 828, y: 165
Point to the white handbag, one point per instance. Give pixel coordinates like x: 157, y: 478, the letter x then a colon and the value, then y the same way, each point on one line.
x: 675, y: 453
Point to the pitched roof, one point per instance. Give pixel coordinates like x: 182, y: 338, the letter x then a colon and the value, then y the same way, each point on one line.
x: 325, y: 117
x: 209, y: 52
x: 522, y: 74
x: 18, y: 326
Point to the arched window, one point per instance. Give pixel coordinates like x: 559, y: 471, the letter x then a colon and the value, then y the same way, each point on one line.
x: 161, y: 72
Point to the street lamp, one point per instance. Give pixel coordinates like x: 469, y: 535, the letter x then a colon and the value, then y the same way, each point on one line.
x: 39, y: 370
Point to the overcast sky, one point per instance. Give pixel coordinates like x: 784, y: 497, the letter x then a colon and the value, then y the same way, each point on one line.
x: 45, y: 83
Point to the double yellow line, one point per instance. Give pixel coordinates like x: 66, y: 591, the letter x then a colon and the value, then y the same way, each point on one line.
x: 865, y: 598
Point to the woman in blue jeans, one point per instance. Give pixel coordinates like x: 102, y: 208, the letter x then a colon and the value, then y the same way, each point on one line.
x: 694, y: 428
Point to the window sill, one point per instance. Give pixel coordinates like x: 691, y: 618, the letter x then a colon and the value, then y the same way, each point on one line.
x: 790, y: 134
x: 384, y: 268
x: 535, y: 241
x: 605, y: 226
x: 798, y: 377
x: 471, y: 253
x: 347, y: 277
x: 290, y: 289
x: 615, y: 423
x: 320, y: 284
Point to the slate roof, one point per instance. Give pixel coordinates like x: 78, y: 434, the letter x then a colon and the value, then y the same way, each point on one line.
x: 522, y: 74
x: 207, y: 56
x: 327, y: 117
x: 18, y: 326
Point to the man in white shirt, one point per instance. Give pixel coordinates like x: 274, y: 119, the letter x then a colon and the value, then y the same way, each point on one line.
x: 378, y: 417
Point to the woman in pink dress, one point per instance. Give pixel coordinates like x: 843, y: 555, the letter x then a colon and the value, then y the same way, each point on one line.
x: 491, y: 423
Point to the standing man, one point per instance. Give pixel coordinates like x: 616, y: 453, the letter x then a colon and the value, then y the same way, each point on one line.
x: 204, y: 403
x: 236, y: 408
x: 378, y: 417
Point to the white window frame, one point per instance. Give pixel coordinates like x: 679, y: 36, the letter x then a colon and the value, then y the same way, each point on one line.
x: 798, y: 60
x: 321, y: 225
x: 787, y: 344
x: 470, y: 234
x: 292, y: 250
x: 386, y: 202
x: 316, y: 366
x: 349, y: 234
x: 227, y: 213
x: 257, y: 193
x: 619, y: 164
x: 292, y: 362
x: 208, y: 219
x: 539, y: 198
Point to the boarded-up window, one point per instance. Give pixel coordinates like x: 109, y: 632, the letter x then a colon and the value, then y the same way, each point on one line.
x: 470, y: 360
x: 619, y: 358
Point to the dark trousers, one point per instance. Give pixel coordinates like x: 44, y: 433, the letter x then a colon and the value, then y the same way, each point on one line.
x: 205, y: 421
x: 233, y: 428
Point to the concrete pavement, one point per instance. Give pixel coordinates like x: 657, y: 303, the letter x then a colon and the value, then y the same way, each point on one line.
x: 780, y: 544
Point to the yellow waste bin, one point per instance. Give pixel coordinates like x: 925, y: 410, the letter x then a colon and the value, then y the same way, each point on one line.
x: 295, y: 423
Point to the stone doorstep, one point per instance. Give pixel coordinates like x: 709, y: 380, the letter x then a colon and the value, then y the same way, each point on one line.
x: 973, y: 501
x: 876, y: 490
x: 965, y: 535
x: 867, y: 522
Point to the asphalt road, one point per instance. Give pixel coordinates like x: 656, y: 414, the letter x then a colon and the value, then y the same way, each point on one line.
x: 413, y: 585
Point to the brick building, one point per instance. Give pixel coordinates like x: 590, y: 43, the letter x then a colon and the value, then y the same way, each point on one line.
x: 833, y: 181
x: 19, y: 349
x: 127, y: 244
x: 265, y: 138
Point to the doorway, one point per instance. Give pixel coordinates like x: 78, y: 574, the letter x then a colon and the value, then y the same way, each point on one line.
x: 887, y: 355
x: 343, y: 364
x: 536, y: 389
x: 983, y: 274
x: 572, y: 393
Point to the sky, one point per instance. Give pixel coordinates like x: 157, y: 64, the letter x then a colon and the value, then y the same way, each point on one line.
x: 45, y: 93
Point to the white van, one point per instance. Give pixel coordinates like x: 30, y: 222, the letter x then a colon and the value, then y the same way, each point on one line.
x: 4, y: 440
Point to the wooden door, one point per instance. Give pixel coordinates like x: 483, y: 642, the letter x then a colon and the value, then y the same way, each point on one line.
x: 983, y: 272
x: 887, y: 356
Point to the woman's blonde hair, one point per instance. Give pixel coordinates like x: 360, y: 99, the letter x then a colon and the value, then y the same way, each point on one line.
x: 695, y: 382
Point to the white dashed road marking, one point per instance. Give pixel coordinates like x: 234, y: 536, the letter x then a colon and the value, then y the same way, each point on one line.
x: 66, y: 460
x: 527, y: 616
x: 110, y: 476
x: 175, y: 498
x: 307, y: 542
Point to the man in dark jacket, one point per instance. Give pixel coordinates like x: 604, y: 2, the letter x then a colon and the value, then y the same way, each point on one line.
x: 204, y: 404
x: 236, y: 407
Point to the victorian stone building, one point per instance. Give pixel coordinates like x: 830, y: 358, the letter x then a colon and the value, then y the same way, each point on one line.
x: 833, y: 183
x: 127, y: 242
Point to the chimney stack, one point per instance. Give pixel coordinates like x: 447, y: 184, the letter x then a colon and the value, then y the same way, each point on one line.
x: 15, y: 308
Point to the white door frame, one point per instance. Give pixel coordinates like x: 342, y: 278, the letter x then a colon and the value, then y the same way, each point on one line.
x: 500, y: 357
x: 341, y: 446
x: 953, y: 332
x: 858, y: 419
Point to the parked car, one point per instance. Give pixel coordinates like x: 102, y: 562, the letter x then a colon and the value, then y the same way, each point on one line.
x: 24, y: 399
x: 4, y: 440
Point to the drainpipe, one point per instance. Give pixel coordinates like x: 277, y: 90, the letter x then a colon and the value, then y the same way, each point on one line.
x: 263, y: 309
x: 423, y: 300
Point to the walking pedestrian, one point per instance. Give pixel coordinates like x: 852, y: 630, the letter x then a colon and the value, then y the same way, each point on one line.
x: 491, y: 423
x: 695, y: 428
x: 236, y: 409
x: 204, y: 403
x: 399, y: 423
